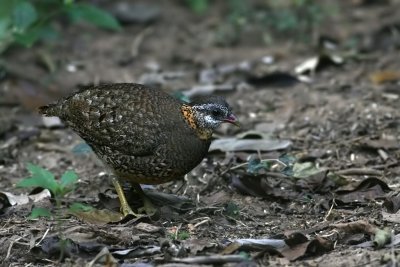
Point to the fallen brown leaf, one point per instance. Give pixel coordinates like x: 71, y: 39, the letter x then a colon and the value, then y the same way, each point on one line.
x: 99, y: 217
x: 364, y: 191
x: 384, y: 76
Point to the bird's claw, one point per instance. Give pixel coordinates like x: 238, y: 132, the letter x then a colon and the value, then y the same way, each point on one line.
x: 126, y: 210
x: 148, y: 208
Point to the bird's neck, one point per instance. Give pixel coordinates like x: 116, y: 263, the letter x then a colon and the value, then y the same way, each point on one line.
x: 191, y: 119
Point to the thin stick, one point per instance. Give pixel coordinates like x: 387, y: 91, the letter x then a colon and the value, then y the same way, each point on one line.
x: 213, y: 259
x: 177, y: 230
x: 43, y: 237
x: 239, y: 222
x: 360, y: 171
x: 330, y: 210
x: 202, y: 222
x: 138, y: 41
x: 10, y: 247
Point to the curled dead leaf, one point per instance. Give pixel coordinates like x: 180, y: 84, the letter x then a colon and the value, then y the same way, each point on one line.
x: 392, y: 203
x: 8, y: 199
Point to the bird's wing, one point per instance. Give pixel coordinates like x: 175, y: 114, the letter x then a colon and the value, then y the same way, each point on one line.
x: 128, y: 118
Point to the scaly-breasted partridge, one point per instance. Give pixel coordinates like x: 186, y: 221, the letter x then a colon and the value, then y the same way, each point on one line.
x: 144, y: 135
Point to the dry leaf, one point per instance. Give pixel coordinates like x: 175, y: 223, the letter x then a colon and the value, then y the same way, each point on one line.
x: 98, y: 217
x: 9, y: 199
x: 384, y: 76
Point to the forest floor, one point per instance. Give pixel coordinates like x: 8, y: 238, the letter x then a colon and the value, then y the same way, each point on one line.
x: 317, y: 171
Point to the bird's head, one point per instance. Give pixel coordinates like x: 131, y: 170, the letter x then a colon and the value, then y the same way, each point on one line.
x: 210, y: 112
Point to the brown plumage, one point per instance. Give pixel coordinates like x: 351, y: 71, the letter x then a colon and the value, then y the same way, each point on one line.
x: 144, y: 135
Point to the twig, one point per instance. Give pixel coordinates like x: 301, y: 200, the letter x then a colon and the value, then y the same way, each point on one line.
x: 359, y: 171
x: 202, y: 222
x: 260, y: 243
x: 200, y: 219
x: 233, y: 219
x: 10, y: 247
x: 205, y: 209
x: 331, y: 234
x: 330, y: 210
x: 177, y: 231
x: 23, y: 244
x: 319, y: 227
x: 212, y: 259
x: 138, y: 41
x: 386, y: 165
x: 43, y: 237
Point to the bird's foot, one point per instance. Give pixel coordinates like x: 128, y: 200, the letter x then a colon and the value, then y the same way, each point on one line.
x: 148, y: 207
x: 126, y: 210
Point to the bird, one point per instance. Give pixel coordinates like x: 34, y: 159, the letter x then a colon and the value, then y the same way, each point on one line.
x: 143, y: 135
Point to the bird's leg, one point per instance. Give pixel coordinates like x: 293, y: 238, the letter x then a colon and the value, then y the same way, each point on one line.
x: 125, y: 208
x: 147, y: 204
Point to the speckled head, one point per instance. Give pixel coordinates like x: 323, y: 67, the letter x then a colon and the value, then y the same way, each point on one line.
x: 210, y: 112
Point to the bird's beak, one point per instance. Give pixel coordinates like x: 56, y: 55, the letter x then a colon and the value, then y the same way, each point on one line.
x: 232, y: 119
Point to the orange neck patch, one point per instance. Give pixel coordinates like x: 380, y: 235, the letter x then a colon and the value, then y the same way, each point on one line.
x: 188, y: 114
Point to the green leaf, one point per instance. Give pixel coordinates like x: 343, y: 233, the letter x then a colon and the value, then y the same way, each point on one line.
x: 93, y: 15
x: 232, y: 210
x: 338, y: 180
x: 27, y: 38
x: 33, y: 34
x: 305, y: 169
x: 48, y: 33
x: 198, y: 6
x: 6, y: 36
x: 39, y: 212
x: 68, y: 178
x: 289, y: 161
x: 24, y: 14
x: 6, y: 8
x: 183, y: 235
x: 40, y: 178
x: 68, y: 2
x: 382, y: 237
x: 255, y: 164
x: 79, y: 207
x: 4, y: 27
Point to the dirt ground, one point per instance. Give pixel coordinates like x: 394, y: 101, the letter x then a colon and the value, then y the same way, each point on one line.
x: 320, y: 172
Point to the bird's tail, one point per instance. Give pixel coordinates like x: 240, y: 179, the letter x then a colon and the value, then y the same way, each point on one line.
x: 49, y: 110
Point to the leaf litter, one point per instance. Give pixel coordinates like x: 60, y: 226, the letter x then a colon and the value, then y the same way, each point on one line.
x: 324, y: 160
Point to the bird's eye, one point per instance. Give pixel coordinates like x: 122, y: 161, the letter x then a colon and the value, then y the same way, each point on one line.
x: 216, y: 113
